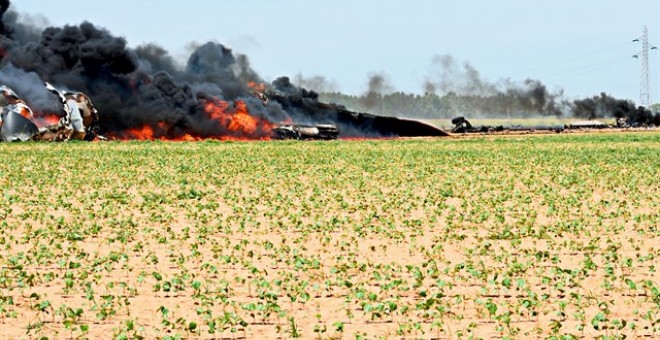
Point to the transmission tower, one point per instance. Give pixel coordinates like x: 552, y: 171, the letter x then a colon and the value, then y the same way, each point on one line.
x: 644, y: 84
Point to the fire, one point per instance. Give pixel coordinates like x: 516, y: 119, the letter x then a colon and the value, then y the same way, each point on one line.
x: 237, y: 120
x: 259, y: 90
x: 144, y: 133
x: 189, y: 138
x: 45, y: 119
x: 25, y: 112
x: 232, y: 121
x: 257, y: 87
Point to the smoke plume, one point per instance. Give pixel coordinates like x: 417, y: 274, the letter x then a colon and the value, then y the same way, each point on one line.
x: 481, y: 97
x: 605, y: 106
x: 131, y: 87
x: 215, y: 94
x: 378, y: 84
x: 467, y: 90
x: 315, y: 83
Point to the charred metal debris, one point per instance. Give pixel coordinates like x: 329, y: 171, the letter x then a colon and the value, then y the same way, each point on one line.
x: 77, y: 120
x: 463, y: 126
x: 306, y: 132
x: 305, y: 109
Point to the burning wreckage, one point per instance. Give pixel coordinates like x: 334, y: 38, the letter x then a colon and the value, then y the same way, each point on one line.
x: 144, y: 94
x: 305, y: 132
x: 78, y: 119
x: 305, y: 106
x: 463, y: 126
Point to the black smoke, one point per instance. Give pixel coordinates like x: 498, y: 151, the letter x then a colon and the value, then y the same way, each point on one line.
x: 4, y: 5
x: 605, y: 106
x: 303, y: 106
x: 464, y: 86
x: 144, y: 86
x: 315, y: 83
x: 469, y: 91
x: 130, y: 87
x: 378, y: 84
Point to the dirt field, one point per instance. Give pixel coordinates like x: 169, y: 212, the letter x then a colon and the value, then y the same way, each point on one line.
x: 492, y: 237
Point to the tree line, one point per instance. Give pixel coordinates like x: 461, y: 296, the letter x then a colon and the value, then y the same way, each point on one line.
x: 433, y: 106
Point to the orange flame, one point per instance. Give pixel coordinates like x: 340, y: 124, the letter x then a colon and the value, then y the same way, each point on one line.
x: 144, y: 133
x: 189, y: 138
x: 25, y: 112
x: 237, y: 120
x: 44, y: 119
x: 234, y: 122
x: 258, y: 87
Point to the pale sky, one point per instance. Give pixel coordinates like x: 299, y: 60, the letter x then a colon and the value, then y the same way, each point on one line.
x: 582, y: 46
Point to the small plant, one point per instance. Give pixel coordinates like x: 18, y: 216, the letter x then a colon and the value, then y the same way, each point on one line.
x: 293, y: 329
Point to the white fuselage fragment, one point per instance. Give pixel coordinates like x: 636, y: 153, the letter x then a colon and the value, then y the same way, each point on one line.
x: 76, y: 117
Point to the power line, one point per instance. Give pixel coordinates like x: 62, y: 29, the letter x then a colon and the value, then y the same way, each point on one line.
x: 587, y: 70
x: 566, y: 61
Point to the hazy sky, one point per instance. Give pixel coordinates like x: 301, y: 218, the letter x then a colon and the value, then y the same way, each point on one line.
x: 582, y: 46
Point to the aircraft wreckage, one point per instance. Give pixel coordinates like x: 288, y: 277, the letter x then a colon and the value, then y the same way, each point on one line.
x: 338, y: 119
x: 463, y: 126
x: 305, y: 132
x: 78, y: 119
